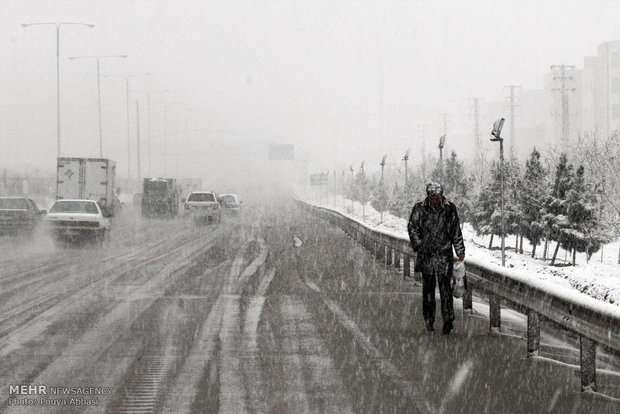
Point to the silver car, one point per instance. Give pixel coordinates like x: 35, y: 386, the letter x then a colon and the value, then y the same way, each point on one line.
x: 203, y: 207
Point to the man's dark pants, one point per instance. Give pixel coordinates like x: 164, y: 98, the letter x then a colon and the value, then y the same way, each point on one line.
x: 429, y: 280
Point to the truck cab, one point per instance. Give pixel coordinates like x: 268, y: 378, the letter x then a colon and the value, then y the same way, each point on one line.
x: 159, y: 197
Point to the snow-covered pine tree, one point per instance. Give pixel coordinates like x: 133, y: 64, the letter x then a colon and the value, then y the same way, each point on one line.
x: 380, y: 198
x: 531, y: 198
x: 486, y: 209
x: 555, y: 217
x: 456, y: 186
x: 583, y: 234
x: 512, y: 209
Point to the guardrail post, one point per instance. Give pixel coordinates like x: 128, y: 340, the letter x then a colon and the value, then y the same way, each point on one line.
x: 388, y: 257
x: 495, y: 313
x: 588, y: 364
x: 379, y: 251
x: 467, y: 297
x: 533, y: 333
x: 396, y: 259
x: 406, y: 266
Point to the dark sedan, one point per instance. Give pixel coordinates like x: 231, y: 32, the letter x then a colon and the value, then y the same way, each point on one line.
x: 19, y: 215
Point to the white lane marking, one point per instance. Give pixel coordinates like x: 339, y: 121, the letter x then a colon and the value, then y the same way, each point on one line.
x: 232, y: 392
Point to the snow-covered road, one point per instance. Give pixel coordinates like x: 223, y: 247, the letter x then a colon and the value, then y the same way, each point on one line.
x: 271, y: 312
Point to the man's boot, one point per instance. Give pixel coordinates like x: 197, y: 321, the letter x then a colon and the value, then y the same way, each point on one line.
x: 429, y: 325
x: 447, y: 328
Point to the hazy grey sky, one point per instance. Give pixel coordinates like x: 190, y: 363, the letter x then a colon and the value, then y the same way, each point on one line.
x: 321, y: 74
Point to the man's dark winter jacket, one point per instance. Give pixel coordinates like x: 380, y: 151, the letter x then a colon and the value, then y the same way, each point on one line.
x: 433, y: 232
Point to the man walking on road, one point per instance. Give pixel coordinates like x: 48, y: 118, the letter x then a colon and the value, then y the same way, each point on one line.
x: 434, y: 229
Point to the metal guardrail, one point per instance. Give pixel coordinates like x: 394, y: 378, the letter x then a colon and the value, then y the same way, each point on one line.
x: 593, y: 327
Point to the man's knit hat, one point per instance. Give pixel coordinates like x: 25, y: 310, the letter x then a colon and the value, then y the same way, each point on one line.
x: 434, y: 188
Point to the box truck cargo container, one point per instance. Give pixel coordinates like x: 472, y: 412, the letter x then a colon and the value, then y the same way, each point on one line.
x: 87, y: 179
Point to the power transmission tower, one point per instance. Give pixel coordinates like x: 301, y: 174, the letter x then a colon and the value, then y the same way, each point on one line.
x: 513, y: 105
x: 563, y: 73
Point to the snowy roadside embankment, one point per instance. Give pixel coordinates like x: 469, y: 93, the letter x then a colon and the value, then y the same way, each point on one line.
x: 600, y: 281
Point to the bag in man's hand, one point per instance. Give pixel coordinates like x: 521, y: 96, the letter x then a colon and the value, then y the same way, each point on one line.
x: 458, y: 279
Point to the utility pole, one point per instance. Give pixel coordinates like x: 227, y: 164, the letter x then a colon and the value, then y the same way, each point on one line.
x: 98, y: 59
x: 58, y: 25
x: 477, y: 142
x: 352, y: 184
x: 148, y: 131
x: 405, y: 159
x: 478, y: 157
x: 421, y: 134
x: 139, y: 169
x: 444, y: 117
x: 165, y: 138
x: 496, y: 133
x: 513, y: 105
x: 382, y: 164
x: 342, y: 188
x: 128, y: 133
x: 563, y: 73
x: 442, y: 143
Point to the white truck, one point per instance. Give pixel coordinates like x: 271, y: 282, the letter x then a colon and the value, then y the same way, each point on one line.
x: 87, y: 179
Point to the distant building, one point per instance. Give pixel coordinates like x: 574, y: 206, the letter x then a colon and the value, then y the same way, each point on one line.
x: 608, y: 87
x: 584, y: 102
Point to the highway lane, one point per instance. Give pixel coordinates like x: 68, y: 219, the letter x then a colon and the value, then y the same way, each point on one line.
x: 235, y: 318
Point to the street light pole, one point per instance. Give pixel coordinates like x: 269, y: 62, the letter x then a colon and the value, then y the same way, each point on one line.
x: 406, y: 159
x: 442, y: 143
x: 98, y: 59
x: 99, y: 107
x: 128, y: 133
x: 58, y: 25
x: 139, y: 168
x: 496, y: 133
x: 148, y: 130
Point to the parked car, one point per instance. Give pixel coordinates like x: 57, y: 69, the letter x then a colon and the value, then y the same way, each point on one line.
x: 78, y: 220
x: 19, y: 215
x: 203, y: 206
x: 230, y: 203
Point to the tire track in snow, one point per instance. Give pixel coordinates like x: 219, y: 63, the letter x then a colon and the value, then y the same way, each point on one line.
x: 106, y: 331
